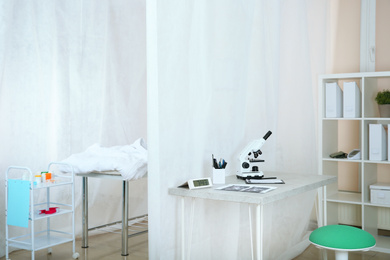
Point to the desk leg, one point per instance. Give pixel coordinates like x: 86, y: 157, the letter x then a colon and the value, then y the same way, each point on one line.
x: 183, y: 242
x: 125, y: 218
x: 320, y: 207
x: 183, y: 229
x: 259, y: 231
x: 84, y: 242
x: 251, y: 230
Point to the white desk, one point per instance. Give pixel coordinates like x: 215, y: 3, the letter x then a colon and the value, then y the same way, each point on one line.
x: 294, y: 184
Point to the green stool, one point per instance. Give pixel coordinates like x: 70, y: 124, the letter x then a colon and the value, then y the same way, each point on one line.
x: 342, y: 239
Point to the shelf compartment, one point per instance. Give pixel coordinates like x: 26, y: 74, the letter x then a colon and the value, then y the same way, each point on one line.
x: 372, y: 85
x: 340, y: 82
x: 348, y: 173
x: 344, y: 213
x: 378, y: 218
x: 43, y: 239
x: 382, y: 244
x: 374, y: 173
x: 340, y: 135
x: 366, y: 126
x: 346, y: 197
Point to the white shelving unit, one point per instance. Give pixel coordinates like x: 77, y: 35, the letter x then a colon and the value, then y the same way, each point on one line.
x: 34, y: 238
x: 341, y: 204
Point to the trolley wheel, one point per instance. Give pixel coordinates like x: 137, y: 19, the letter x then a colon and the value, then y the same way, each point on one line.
x: 49, y: 250
x: 75, y: 255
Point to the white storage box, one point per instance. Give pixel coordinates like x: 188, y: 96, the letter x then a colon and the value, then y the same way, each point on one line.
x: 377, y: 142
x: 333, y: 100
x: 351, y: 100
x: 380, y: 193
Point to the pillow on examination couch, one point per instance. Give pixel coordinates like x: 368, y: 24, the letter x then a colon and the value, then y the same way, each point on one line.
x: 129, y: 160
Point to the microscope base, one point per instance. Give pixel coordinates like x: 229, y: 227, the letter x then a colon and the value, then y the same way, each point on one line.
x: 250, y: 175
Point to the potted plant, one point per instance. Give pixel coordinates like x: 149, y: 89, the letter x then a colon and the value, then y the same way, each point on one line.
x: 383, y: 100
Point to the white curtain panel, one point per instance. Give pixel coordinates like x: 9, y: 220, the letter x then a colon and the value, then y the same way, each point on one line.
x: 72, y: 73
x: 228, y: 71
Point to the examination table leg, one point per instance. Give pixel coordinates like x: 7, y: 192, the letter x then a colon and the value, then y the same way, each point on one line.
x: 125, y: 217
x: 84, y: 242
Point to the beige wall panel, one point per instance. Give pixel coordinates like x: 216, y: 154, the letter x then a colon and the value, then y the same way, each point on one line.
x: 344, y: 36
x: 344, y: 57
x: 382, y: 40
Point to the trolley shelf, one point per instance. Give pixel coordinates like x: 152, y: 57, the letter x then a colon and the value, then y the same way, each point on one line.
x: 50, y: 185
x: 62, y: 212
x: 42, y: 240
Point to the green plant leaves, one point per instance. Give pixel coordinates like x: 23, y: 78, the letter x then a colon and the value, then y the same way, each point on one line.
x: 383, y: 97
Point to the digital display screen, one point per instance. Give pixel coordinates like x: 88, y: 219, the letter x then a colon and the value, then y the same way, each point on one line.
x: 198, y: 183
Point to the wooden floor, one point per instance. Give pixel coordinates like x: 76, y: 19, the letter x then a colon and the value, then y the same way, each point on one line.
x: 108, y: 246
x: 104, y: 246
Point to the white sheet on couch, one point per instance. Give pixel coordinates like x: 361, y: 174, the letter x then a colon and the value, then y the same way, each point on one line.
x: 129, y: 160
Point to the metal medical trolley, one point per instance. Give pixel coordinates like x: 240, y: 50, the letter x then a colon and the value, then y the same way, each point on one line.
x: 26, y: 213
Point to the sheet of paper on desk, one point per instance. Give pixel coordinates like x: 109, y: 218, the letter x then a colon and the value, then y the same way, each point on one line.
x: 264, y: 181
x: 246, y: 188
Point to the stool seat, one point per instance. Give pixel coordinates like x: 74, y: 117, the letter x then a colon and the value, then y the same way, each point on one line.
x: 342, y: 237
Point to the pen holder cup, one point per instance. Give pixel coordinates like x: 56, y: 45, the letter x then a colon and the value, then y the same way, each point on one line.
x: 218, y: 176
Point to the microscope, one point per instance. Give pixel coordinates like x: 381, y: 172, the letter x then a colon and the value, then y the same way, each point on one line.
x: 250, y: 161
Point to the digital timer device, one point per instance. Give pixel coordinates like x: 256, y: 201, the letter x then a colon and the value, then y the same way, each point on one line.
x: 200, y: 183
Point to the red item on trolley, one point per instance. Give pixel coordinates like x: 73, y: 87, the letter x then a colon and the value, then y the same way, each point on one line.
x: 50, y: 211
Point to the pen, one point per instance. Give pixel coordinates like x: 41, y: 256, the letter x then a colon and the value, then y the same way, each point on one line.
x: 215, y: 164
x: 224, y: 163
x: 221, y: 164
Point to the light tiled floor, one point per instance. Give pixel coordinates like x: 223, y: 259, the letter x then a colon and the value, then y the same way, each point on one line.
x: 312, y: 253
x: 104, y: 246
x: 108, y: 246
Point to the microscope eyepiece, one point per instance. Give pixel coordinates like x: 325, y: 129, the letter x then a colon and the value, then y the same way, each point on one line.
x: 267, y: 135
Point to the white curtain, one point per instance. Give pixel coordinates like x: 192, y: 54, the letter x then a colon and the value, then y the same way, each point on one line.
x: 227, y: 72
x: 72, y: 73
